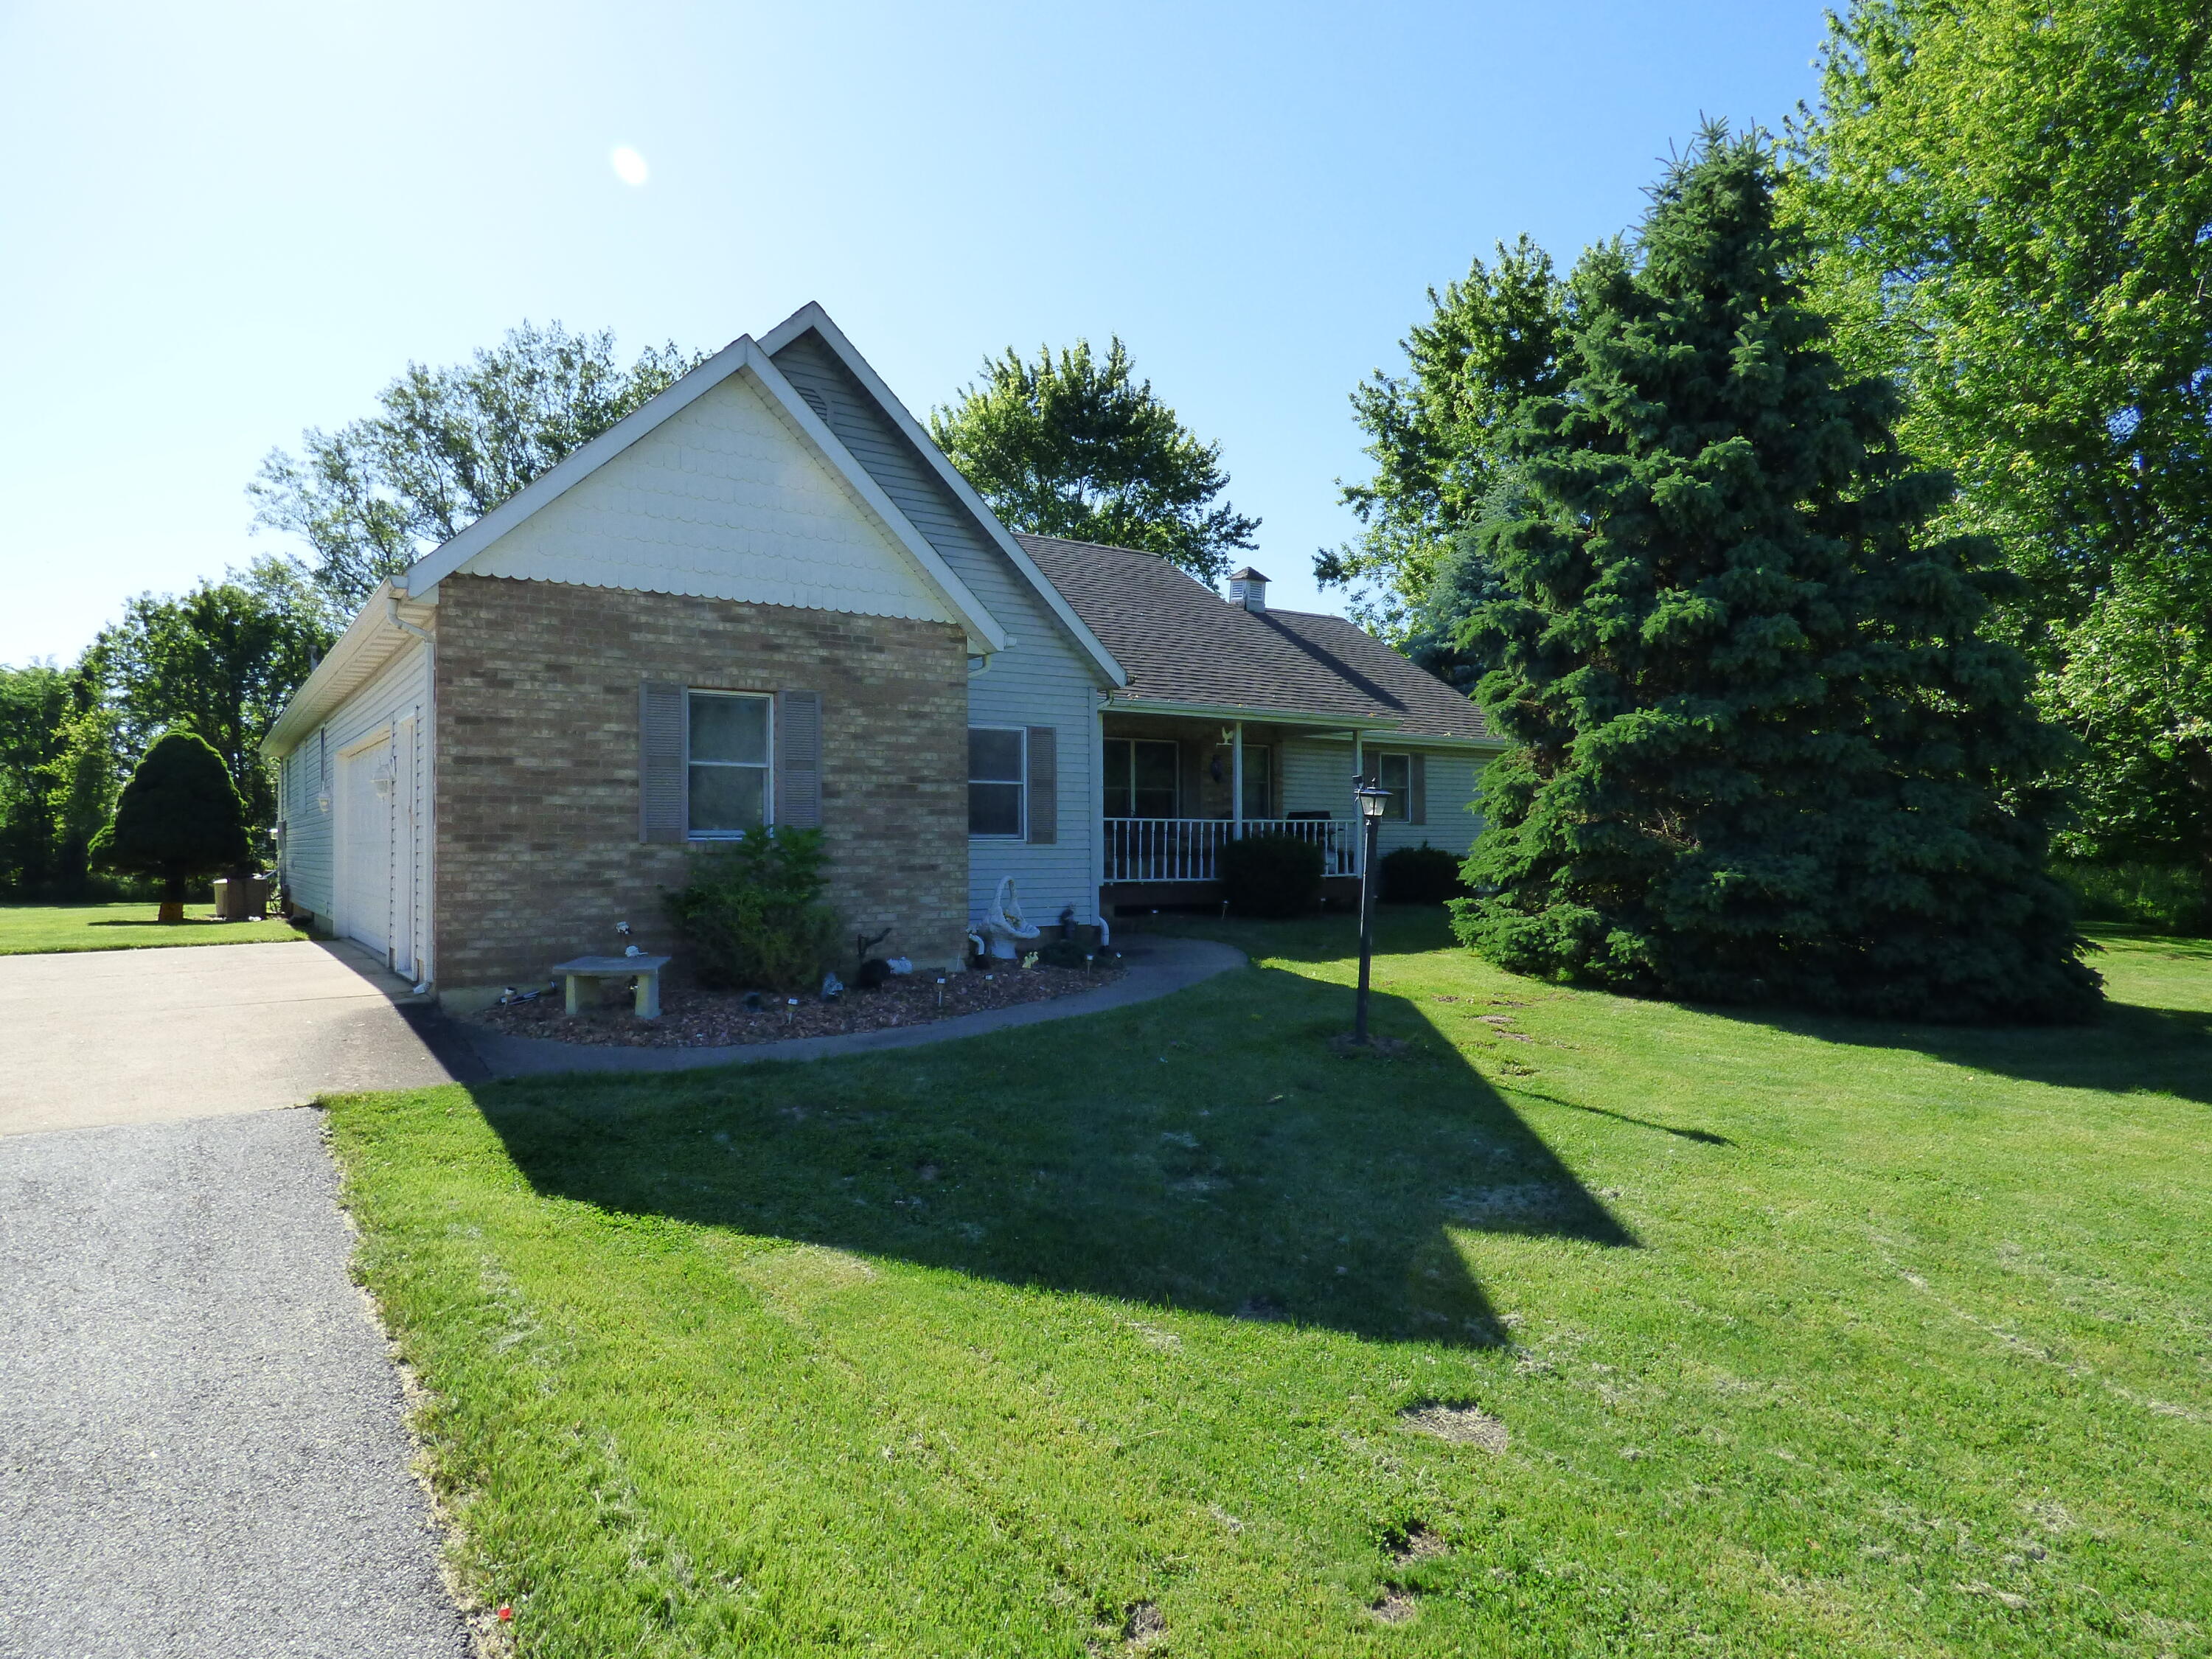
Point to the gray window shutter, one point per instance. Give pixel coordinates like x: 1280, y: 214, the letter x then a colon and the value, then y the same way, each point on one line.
x: 799, y: 759
x: 663, y: 802
x: 1044, y: 784
x: 1417, y: 807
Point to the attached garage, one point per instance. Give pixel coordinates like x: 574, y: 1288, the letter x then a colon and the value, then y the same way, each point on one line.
x: 355, y: 819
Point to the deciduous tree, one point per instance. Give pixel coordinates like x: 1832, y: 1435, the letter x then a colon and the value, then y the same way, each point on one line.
x: 1436, y: 435
x: 2012, y: 203
x: 220, y: 661
x: 448, y: 446
x: 1076, y: 446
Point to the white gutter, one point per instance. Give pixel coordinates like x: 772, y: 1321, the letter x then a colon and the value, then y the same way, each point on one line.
x: 1317, y: 725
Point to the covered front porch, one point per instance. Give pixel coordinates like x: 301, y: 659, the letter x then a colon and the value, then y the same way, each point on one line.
x: 1180, y: 787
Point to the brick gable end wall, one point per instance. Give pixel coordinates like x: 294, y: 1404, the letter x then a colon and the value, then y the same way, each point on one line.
x: 537, y: 849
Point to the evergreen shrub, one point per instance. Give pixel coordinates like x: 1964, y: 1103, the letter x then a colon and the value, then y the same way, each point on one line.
x: 1420, y: 875
x: 178, y: 820
x: 1271, y: 875
x: 753, y: 915
x: 1764, y: 750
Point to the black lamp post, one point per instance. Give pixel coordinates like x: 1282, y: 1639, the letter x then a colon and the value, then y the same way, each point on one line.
x: 1372, y: 798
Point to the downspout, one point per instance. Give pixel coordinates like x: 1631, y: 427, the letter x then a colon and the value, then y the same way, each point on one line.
x: 426, y: 877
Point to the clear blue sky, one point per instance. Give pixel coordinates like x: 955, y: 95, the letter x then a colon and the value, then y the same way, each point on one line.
x: 224, y: 223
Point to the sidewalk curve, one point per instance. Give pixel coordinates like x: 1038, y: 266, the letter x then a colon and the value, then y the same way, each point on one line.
x: 1157, y: 967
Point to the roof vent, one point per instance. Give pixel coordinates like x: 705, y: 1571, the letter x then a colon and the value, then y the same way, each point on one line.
x: 816, y: 402
x: 1249, y: 588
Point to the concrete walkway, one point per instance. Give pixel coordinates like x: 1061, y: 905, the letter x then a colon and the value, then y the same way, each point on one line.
x: 137, y: 1036
x: 1156, y: 966
x: 200, y: 1445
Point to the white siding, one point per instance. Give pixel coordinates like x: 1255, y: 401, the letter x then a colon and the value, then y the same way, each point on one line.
x: 400, y: 688
x: 726, y: 500
x: 1042, y: 678
x: 1317, y: 778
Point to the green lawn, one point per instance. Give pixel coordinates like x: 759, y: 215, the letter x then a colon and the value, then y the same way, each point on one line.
x: 25, y: 929
x: 1800, y: 1337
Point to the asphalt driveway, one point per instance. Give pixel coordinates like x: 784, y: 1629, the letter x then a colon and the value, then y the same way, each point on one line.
x: 139, y: 1036
x: 201, y: 1449
x: 200, y: 1442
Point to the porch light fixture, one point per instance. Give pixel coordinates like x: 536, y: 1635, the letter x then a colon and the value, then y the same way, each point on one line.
x: 1372, y: 798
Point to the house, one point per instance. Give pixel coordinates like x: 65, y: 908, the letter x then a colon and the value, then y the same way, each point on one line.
x: 1237, y: 719
x: 766, y: 599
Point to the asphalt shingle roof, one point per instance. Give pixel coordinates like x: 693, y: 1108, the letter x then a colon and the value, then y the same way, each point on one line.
x: 1182, y: 642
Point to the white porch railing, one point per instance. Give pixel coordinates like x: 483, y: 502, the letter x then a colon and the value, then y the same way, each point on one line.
x: 1189, y: 849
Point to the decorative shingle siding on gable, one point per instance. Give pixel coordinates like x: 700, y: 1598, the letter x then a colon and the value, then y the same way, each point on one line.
x: 1042, y: 678
x: 725, y: 500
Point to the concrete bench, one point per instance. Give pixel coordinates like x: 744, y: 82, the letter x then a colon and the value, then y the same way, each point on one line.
x: 590, y: 970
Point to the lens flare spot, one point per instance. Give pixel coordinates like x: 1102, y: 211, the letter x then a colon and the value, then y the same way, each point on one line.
x: 629, y: 166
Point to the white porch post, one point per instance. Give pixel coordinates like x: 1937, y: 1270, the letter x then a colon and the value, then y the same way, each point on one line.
x: 1359, y: 776
x: 1237, y: 781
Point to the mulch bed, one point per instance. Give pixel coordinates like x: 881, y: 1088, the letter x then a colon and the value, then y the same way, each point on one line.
x: 702, y: 1019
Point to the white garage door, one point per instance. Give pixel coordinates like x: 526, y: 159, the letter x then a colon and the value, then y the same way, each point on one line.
x: 364, y: 849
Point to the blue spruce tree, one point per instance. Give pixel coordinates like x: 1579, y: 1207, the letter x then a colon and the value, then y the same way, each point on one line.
x: 1763, y: 753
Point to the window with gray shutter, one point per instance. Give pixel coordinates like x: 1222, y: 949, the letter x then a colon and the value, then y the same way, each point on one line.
x: 660, y: 792
x: 997, y: 779
x: 1044, y: 784
x: 799, y: 759
x: 1395, y: 773
x: 728, y: 758
x: 1417, y: 804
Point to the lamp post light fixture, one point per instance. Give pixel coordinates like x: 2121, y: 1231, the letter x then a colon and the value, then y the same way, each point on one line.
x: 1372, y: 798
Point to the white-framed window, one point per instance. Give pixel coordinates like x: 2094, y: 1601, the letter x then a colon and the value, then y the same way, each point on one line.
x: 1395, y: 773
x: 1142, y: 778
x: 997, y: 770
x: 728, y: 743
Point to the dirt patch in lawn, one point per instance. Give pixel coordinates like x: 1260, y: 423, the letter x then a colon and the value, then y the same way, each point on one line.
x: 1461, y: 1423
x: 692, y: 1019
x: 1393, y: 1607
x: 1415, y: 1542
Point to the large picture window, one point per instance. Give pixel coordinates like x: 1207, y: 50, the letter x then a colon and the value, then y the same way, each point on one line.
x: 728, y: 753
x: 997, y: 764
x: 1141, y: 778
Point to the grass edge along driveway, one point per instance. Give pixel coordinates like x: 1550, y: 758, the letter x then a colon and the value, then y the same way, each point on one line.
x: 1752, y: 1334
x: 42, y: 929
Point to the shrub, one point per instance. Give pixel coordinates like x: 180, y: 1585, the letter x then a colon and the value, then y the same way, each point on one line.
x: 180, y: 818
x: 1420, y: 875
x: 753, y: 916
x: 1271, y: 875
x: 2174, y: 899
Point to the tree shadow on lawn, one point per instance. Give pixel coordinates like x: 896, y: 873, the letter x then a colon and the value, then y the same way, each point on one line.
x: 2131, y: 1047
x: 150, y: 921
x: 1207, y: 1152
